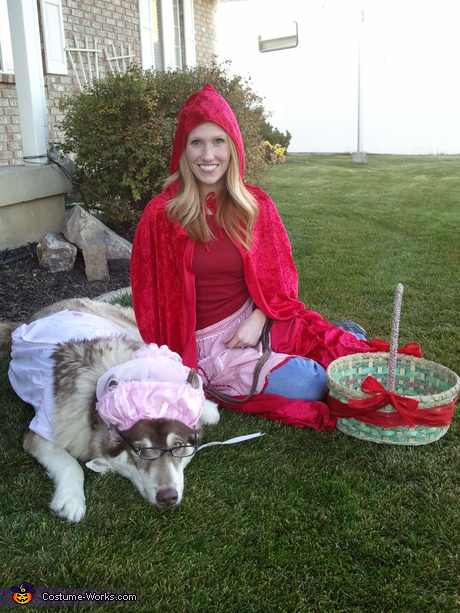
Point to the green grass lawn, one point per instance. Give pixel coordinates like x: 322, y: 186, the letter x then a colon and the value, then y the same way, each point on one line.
x: 295, y: 521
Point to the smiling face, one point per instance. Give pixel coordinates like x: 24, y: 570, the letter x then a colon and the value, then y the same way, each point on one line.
x: 208, y: 154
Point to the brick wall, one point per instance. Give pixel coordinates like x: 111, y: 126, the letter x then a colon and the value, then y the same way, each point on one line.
x: 110, y: 22
x: 10, y: 130
x: 205, y: 30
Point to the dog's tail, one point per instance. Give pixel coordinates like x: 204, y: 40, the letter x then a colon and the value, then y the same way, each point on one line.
x: 6, y: 330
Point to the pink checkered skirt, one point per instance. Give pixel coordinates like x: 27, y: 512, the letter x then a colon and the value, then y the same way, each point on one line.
x: 231, y: 371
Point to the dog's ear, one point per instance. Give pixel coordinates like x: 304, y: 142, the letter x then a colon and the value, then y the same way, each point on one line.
x: 198, y: 429
x: 193, y: 379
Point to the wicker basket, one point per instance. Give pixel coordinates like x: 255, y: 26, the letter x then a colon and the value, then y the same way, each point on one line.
x: 431, y: 384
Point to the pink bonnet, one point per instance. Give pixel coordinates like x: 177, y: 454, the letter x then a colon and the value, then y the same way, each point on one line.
x: 151, y: 385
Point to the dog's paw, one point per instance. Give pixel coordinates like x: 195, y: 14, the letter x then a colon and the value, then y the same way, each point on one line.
x: 210, y: 414
x: 70, y: 505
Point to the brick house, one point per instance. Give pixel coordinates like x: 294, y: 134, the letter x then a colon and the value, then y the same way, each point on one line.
x: 51, y: 48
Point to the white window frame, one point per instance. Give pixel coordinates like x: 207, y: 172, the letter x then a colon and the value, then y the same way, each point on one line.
x: 189, y: 33
x: 53, y: 34
x: 146, y: 30
x: 168, y: 35
x: 282, y: 35
x: 168, y: 31
x: 6, y: 51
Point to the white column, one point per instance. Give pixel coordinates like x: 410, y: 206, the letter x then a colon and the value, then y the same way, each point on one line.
x: 28, y: 70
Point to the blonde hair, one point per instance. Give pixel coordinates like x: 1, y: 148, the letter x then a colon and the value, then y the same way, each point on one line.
x: 236, y: 212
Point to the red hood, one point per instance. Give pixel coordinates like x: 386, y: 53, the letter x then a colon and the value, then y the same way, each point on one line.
x: 206, y: 105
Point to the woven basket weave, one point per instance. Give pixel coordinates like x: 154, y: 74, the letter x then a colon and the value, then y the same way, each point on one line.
x: 431, y: 384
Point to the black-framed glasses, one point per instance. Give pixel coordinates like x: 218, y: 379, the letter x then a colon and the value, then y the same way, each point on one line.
x: 153, y: 453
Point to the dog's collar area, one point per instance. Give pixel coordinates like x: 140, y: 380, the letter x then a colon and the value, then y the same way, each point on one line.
x: 153, y: 453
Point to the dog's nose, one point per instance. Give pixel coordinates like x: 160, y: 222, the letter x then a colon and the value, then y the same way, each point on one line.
x: 167, y: 497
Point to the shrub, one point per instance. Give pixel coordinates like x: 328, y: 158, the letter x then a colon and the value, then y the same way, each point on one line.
x: 275, y: 136
x: 120, y: 132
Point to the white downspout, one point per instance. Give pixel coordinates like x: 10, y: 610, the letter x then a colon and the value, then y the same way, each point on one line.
x: 30, y: 85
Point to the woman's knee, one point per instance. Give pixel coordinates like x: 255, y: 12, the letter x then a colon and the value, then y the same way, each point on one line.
x: 299, y: 379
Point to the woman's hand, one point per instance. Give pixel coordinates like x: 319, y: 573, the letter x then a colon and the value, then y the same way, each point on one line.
x: 247, y: 334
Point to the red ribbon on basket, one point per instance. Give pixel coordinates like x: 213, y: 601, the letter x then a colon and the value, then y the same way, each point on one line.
x: 409, y: 349
x: 407, y: 411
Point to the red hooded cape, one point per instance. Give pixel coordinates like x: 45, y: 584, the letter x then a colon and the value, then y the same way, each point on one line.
x: 163, y: 281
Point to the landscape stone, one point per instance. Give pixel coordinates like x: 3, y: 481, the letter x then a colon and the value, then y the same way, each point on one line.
x: 55, y: 253
x: 83, y: 229
x: 96, y: 267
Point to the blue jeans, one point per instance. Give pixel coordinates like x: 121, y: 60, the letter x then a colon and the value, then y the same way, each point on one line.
x: 298, y: 379
x: 301, y: 378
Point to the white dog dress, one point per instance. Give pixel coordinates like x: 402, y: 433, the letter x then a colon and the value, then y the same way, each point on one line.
x: 30, y: 370
x: 152, y: 384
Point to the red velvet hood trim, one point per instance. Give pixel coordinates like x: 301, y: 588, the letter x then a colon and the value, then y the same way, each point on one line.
x: 205, y: 105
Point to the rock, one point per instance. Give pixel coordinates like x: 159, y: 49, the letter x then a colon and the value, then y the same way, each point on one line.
x: 96, y: 267
x: 83, y: 229
x: 55, y: 253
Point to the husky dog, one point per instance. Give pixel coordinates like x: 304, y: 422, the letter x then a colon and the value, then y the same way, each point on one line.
x: 150, y: 449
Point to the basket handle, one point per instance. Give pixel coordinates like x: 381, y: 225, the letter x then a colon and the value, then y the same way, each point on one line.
x: 394, y: 337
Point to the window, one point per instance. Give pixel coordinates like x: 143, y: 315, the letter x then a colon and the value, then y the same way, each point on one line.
x: 189, y: 32
x: 166, y: 27
x: 157, y: 43
x: 6, y: 52
x: 279, y: 36
x: 161, y: 33
x: 177, y: 47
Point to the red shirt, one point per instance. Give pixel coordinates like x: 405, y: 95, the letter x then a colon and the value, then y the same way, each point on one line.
x: 219, y: 278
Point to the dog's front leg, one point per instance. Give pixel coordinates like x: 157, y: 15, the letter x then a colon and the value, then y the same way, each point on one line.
x: 67, y: 474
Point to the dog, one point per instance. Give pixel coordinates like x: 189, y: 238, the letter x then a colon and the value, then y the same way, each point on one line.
x: 79, y: 432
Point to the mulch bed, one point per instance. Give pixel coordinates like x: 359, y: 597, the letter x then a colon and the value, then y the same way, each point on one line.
x: 25, y: 287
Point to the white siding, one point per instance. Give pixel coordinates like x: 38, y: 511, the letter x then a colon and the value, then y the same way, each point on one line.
x: 410, y: 61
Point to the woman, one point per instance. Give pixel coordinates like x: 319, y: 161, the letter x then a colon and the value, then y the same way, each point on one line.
x: 211, y: 262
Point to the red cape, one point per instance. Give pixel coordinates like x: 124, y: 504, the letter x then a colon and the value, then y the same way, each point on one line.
x: 163, y: 286
x: 163, y: 281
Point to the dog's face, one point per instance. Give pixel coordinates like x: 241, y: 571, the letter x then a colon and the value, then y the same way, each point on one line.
x: 160, y: 481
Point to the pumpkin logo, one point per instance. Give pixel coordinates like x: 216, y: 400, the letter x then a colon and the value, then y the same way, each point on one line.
x: 23, y: 594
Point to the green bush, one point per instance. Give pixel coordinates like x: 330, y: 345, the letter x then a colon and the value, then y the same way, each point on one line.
x: 274, y: 136
x: 120, y: 132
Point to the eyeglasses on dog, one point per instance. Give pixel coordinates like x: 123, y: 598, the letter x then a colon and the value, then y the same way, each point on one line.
x: 153, y: 453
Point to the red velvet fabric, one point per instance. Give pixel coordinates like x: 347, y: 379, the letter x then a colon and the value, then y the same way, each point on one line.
x: 163, y: 282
